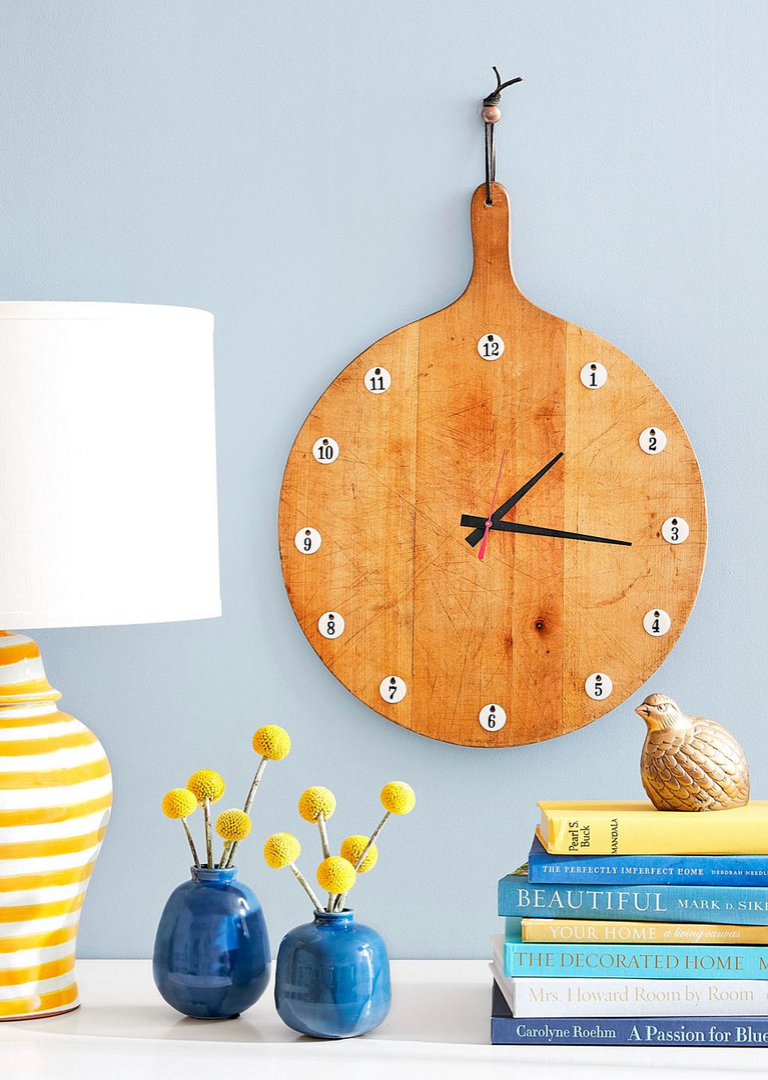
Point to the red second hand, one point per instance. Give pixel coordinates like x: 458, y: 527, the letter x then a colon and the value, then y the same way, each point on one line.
x: 489, y: 522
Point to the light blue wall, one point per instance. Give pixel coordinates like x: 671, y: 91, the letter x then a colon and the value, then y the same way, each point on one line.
x: 303, y: 170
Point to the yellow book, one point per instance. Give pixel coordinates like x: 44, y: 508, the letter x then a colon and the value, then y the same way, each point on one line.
x: 638, y: 828
x: 640, y: 933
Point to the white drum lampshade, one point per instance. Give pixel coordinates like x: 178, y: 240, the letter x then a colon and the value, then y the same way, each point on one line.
x: 107, y: 465
x: 107, y: 515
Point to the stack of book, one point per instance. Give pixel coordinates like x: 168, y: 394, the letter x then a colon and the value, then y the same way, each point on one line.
x: 631, y: 926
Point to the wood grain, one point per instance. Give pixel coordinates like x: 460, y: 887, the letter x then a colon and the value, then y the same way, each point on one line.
x: 524, y: 627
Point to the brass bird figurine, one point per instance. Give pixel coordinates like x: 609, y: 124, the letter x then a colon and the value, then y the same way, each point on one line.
x: 689, y: 763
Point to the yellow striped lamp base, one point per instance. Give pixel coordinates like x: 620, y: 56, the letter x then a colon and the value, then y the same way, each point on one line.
x: 55, y: 798
x: 37, y: 1006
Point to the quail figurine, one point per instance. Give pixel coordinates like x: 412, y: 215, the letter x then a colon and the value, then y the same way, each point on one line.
x: 689, y: 763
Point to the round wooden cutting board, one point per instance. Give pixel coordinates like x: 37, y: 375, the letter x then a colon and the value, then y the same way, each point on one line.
x: 390, y: 482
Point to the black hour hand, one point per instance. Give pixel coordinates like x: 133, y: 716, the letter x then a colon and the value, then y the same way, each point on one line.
x: 476, y: 535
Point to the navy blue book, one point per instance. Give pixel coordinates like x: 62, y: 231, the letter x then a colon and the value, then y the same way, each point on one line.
x: 736, y: 870
x: 625, y: 1030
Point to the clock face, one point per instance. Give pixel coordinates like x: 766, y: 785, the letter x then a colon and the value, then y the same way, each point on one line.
x: 492, y: 523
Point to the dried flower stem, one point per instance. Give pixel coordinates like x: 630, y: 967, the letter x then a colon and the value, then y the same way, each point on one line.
x: 247, y: 808
x: 191, y: 842
x: 323, y: 836
x: 224, y: 862
x: 372, y: 840
x: 339, y: 904
x: 306, y: 887
x: 326, y: 852
x: 254, y: 785
x: 208, y: 836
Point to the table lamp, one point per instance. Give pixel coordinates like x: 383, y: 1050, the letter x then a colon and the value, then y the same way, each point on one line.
x: 107, y: 516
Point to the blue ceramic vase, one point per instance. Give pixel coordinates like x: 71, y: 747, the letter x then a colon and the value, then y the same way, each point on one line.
x: 211, y: 956
x: 332, y: 977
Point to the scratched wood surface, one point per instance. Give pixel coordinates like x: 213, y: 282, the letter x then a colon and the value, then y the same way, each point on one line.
x: 524, y: 627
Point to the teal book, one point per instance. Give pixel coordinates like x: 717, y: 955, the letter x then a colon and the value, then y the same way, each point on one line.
x: 744, y: 906
x: 620, y: 961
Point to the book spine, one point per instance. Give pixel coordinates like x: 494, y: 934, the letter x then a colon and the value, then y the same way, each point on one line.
x: 629, y: 1031
x: 595, y: 931
x: 576, y: 831
x: 731, y: 870
x: 647, y: 903
x: 636, y: 997
x: 636, y: 961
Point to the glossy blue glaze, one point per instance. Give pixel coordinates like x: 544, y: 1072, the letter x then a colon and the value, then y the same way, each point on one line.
x: 211, y: 956
x: 332, y: 977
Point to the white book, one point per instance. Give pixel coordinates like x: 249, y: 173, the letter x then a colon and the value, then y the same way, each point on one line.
x: 551, y: 998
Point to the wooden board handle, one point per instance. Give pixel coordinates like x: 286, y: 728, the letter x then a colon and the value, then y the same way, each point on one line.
x: 490, y: 239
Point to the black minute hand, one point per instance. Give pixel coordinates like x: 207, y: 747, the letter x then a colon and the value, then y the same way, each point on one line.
x: 468, y: 520
x: 476, y: 536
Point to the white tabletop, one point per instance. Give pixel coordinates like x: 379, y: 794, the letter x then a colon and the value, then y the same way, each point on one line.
x: 438, y: 1027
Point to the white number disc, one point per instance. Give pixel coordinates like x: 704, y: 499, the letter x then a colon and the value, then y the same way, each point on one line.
x: 599, y: 686
x: 377, y: 380
x: 593, y: 376
x: 308, y: 541
x: 675, y: 530
x: 490, y: 346
x: 393, y: 689
x: 656, y: 622
x: 652, y: 440
x: 492, y: 717
x: 325, y: 451
x: 331, y: 624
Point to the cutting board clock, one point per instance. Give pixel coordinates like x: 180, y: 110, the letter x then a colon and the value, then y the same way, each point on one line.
x: 492, y: 523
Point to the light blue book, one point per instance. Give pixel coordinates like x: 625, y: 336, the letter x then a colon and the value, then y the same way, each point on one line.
x: 748, y: 906
x: 604, y: 961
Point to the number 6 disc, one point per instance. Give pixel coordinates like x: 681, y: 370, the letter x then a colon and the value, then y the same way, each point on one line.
x: 492, y: 717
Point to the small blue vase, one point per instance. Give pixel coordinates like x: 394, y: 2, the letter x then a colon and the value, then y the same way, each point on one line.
x: 332, y: 977
x: 211, y: 956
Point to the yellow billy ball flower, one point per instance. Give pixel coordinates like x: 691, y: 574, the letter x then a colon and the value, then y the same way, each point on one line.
x: 397, y: 797
x: 179, y: 802
x: 272, y: 742
x: 206, y: 784
x: 233, y: 825
x: 336, y: 875
x: 353, y: 847
x: 316, y: 801
x: 281, y: 849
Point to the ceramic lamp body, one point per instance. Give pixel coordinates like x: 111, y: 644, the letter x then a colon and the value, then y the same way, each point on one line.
x: 211, y: 957
x: 332, y: 978
x: 55, y: 798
